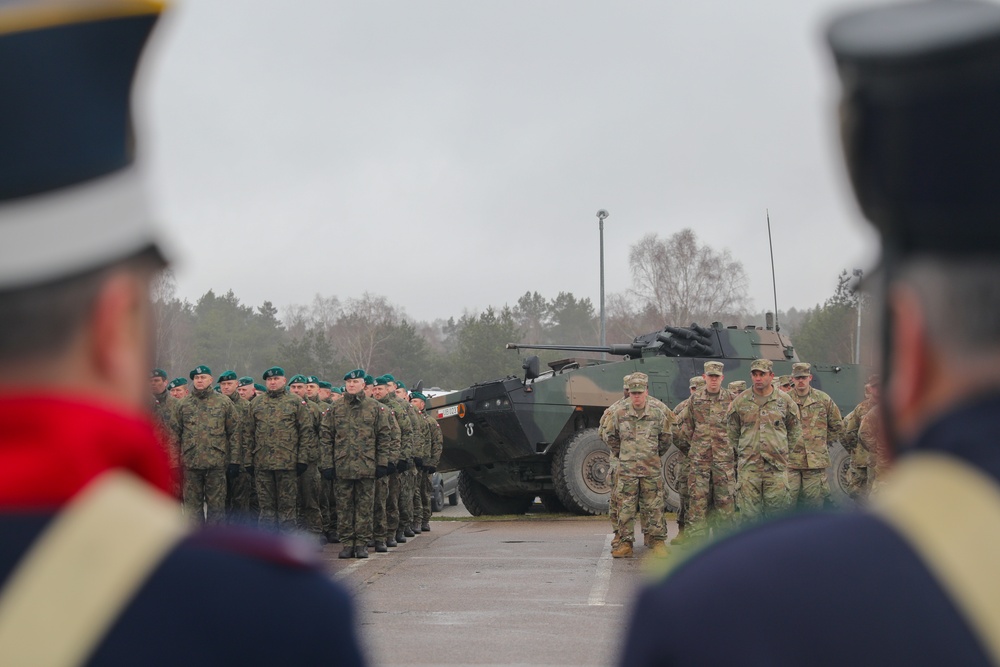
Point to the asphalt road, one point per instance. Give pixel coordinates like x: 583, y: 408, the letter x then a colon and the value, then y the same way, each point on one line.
x: 538, y: 591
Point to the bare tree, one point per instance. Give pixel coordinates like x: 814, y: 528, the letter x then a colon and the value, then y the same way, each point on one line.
x: 364, y: 325
x: 684, y: 281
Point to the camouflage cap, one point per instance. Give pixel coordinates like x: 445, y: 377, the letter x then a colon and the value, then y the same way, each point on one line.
x: 274, y: 371
x: 226, y: 376
x: 325, y: 385
x: 713, y: 368
x: 246, y: 381
x: 764, y: 365
x: 638, y: 383
x: 784, y: 380
x: 158, y: 373
x: 696, y: 381
x: 801, y: 370
x: 381, y: 381
x: 356, y: 374
x: 297, y: 379
x: 737, y: 385
x: 873, y: 379
x: 200, y: 370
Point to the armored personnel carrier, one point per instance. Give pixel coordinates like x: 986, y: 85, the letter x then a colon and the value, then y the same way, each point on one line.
x: 517, y: 438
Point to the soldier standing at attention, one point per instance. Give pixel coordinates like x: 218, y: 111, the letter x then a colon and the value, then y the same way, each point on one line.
x: 237, y: 480
x: 164, y: 408
x: 421, y: 449
x: 419, y: 403
x: 356, y: 434
x: 383, y: 515
x: 282, y: 442
x: 762, y: 424
x: 328, y: 506
x: 809, y: 457
x: 639, y: 434
x: 406, y: 473
x: 602, y: 432
x: 310, y: 518
x: 208, y: 430
x: 683, y: 465
x: 178, y: 388
x: 702, y: 432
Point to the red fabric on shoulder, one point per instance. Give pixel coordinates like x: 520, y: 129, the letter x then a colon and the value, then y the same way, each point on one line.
x: 52, y: 446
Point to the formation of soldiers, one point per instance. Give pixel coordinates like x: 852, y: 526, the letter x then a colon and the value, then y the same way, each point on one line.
x: 758, y: 451
x: 350, y: 464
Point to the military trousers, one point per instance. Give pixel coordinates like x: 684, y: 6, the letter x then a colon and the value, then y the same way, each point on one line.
x: 711, y: 487
x: 379, y: 526
x: 238, y: 492
x: 327, y: 506
x: 425, y: 494
x: 683, y: 472
x: 418, y: 497
x: 278, y: 492
x: 392, y: 504
x: 644, y: 496
x: 205, y: 490
x: 761, y: 491
x: 310, y: 518
x: 405, y: 498
x: 809, y: 488
x: 857, y: 481
x: 355, y: 504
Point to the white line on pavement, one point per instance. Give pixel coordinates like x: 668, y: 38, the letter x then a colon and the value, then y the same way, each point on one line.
x: 602, y: 578
x: 351, y: 568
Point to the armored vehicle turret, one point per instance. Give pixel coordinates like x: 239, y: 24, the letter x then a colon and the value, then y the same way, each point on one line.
x: 519, y: 438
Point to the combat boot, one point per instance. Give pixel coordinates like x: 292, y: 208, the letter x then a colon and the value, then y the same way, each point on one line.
x: 408, y: 532
x: 399, y: 536
x: 333, y: 537
x: 371, y: 544
x: 659, y: 547
x: 391, y: 543
x: 416, y: 527
x: 346, y: 552
x: 361, y: 552
x: 623, y: 550
x: 381, y: 547
x: 426, y: 526
x: 680, y: 539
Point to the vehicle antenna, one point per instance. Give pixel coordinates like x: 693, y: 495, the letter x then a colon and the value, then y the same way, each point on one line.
x: 774, y: 284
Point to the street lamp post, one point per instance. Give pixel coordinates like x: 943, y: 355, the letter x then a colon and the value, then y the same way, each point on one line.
x: 601, y: 215
x: 858, y: 273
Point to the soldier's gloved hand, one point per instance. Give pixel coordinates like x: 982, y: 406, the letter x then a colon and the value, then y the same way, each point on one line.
x: 418, y: 462
x: 402, y: 465
x: 233, y: 470
x: 391, y: 467
x: 300, y: 468
x: 430, y: 470
x: 249, y: 469
x: 328, y: 474
x: 381, y: 471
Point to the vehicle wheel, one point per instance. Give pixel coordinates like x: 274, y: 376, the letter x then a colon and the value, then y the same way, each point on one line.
x: 552, y: 504
x: 670, y: 465
x: 840, y: 461
x: 479, y: 500
x: 437, y: 499
x: 581, y: 473
x: 453, y: 499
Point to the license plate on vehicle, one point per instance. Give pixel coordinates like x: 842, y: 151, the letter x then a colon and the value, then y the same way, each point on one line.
x: 448, y: 411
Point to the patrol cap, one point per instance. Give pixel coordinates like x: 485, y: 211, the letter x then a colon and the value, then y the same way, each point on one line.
x: 381, y: 381
x: 227, y: 376
x: 761, y: 365
x: 784, y: 380
x: 801, y: 370
x: 356, y: 374
x: 200, y: 370
x: 737, y: 385
x: 325, y: 385
x: 919, y: 107
x: 873, y: 379
x: 158, y: 373
x: 71, y: 198
x: 696, y: 381
x: 625, y: 381
x: 713, y: 368
x: 259, y: 387
x: 297, y: 379
x: 638, y: 383
x: 274, y: 371
x: 245, y: 381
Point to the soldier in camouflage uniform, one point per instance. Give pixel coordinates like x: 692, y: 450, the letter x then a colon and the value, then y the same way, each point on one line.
x: 404, y: 512
x: 208, y: 430
x: 786, y: 384
x: 327, y: 507
x: 702, y: 436
x: 737, y: 387
x: 385, y: 519
x: 857, y: 473
x: 356, y: 438
x: 420, y: 483
x: 639, y: 434
x: 238, y: 482
x: 282, y: 442
x: 762, y: 423
x: 178, y: 388
x: 310, y: 518
x: 870, y: 438
x: 683, y: 466
x: 164, y: 408
x: 431, y: 460
x: 809, y: 458
x: 602, y: 431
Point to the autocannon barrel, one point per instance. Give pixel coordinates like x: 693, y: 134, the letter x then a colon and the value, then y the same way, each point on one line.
x: 620, y: 350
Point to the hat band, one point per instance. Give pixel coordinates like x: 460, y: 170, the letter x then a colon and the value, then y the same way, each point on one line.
x: 69, y: 230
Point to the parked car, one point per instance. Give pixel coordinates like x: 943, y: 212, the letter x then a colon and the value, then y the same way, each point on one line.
x: 444, y: 484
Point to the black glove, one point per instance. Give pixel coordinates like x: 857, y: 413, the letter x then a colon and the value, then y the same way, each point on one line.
x: 381, y: 471
x: 300, y: 468
x: 402, y: 465
x: 430, y: 470
x: 328, y: 474
x: 233, y: 470
x: 418, y: 462
x: 391, y: 467
x: 250, y: 470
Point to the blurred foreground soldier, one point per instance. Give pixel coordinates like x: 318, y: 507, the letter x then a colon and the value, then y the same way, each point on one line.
x: 97, y: 565
x: 913, y: 579
x: 809, y: 458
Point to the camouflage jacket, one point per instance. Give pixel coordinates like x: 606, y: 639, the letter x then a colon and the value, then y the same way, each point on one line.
x: 639, y: 440
x: 421, y: 434
x: 406, y: 426
x: 602, y: 426
x: 763, y: 431
x: 356, y: 432
x: 436, y: 440
x: 164, y: 409
x: 821, y: 427
x: 208, y: 430
x: 243, y: 410
x: 281, y: 432
x: 869, y: 437
x: 702, y: 431
x: 849, y: 438
x: 396, y: 440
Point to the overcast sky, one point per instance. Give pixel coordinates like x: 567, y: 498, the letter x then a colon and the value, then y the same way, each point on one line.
x: 453, y: 155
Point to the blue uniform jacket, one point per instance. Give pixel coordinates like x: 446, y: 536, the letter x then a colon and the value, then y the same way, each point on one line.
x: 817, y: 589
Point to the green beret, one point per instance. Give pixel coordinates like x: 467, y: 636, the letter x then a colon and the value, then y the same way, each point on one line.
x: 325, y: 385
x: 200, y: 370
x: 274, y: 371
x: 381, y: 381
x: 369, y: 380
x: 218, y: 388
x: 158, y: 373
x: 400, y: 385
x: 356, y: 374
x: 390, y: 377
x: 338, y: 390
x: 259, y: 387
x: 227, y: 376
x: 246, y: 380
x: 417, y: 394
x: 177, y: 382
x: 297, y: 379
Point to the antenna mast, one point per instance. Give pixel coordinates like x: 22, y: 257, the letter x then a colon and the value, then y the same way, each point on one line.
x: 774, y: 284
